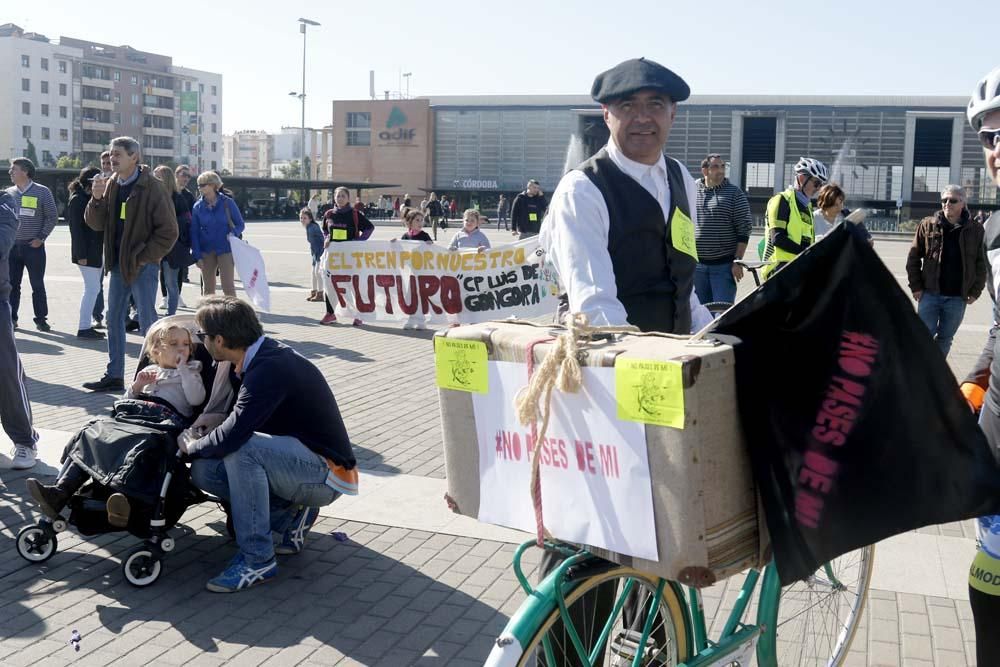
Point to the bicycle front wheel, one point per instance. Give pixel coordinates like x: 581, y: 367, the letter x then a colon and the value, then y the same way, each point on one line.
x: 609, y: 611
x: 814, y: 620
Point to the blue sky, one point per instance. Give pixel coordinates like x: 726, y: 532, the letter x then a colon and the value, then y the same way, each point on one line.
x: 455, y: 47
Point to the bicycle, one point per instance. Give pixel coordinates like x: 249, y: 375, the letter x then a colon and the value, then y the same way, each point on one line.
x: 719, y: 307
x: 592, y: 612
x: 811, y: 622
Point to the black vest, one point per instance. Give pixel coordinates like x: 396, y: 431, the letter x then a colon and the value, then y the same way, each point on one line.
x: 653, y: 279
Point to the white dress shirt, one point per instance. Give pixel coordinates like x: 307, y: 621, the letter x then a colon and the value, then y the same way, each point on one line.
x: 574, y: 235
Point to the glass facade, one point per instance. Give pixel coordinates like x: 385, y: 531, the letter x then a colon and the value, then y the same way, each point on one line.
x: 500, y: 149
x: 479, y: 149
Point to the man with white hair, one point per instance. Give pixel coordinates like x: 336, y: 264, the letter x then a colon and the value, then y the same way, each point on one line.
x: 946, y: 266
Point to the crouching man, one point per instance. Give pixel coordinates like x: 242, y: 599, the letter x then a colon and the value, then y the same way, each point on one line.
x: 281, y: 453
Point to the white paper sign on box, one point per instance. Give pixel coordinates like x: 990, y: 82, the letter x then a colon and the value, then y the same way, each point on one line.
x: 594, y: 468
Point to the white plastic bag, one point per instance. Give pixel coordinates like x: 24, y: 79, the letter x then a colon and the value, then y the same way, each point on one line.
x: 250, y: 266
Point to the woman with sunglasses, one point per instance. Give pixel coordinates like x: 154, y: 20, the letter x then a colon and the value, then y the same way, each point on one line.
x: 946, y: 266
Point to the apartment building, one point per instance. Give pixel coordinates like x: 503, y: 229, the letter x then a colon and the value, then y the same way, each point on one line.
x: 73, y: 96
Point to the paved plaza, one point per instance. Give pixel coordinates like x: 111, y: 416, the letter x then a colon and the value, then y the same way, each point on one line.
x: 412, y: 584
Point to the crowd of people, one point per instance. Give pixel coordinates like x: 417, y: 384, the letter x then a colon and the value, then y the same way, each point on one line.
x: 631, y: 234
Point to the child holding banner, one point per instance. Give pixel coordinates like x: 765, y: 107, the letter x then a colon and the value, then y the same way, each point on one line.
x: 344, y: 223
x: 470, y: 236
x: 414, y: 220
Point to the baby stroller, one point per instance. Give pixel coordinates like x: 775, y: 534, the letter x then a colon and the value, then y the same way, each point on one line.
x: 140, y: 459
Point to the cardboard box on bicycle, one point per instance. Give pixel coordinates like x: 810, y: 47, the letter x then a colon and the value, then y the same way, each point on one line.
x: 705, y: 508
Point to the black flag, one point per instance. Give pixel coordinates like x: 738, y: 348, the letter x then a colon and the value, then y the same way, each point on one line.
x: 856, y: 427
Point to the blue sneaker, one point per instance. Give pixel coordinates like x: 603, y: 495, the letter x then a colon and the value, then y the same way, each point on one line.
x: 294, y: 539
x: 240, y: 575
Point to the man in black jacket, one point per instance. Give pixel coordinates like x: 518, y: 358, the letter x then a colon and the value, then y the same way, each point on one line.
x: 527, y: 211
x: 282, y: 452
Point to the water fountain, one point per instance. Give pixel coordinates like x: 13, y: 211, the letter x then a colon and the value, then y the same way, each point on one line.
x: 575, y: 153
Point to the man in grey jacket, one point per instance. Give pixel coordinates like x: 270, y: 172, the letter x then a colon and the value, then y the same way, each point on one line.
x: 15, y: 408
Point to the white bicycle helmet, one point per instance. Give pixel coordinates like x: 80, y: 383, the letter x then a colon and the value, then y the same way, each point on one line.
x: 812, y: 167
x: 985, y: 98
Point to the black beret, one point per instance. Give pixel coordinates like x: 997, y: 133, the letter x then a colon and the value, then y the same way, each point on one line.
x: 637, y: 74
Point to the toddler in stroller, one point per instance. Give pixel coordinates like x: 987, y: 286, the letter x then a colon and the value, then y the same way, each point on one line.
x: 127, y: 472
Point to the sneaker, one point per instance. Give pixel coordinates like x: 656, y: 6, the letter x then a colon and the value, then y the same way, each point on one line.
x: 106, y: 383
x: 294, y: 539
x: 119, y: 510
x: 22, y: 458
x: 90, y: 333
x: 240, y: 575
x: 98, y: 324
x: 329, y: 318
x: 131, y: 325
x: 51, y: 499
x: 356, y: 323
x: 162, y: 305
x: 42, y: 325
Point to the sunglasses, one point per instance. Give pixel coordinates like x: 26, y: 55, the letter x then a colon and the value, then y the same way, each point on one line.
x: 950, y: 200
x: 989, y: 138
x: 202, y: 335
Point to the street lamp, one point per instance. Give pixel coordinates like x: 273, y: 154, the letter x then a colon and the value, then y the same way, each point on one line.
x: 302, y: 95
x: 407, y: 75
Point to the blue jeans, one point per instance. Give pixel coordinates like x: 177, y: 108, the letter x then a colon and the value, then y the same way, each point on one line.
x: 172, y: 283
x: 143, y: 290
x: 23, y: 256
x: 942, y: 315
x: 264, y: 481
x: 715, y: 282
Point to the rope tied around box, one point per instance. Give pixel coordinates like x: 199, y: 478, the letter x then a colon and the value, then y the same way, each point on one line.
x: 560, y: 369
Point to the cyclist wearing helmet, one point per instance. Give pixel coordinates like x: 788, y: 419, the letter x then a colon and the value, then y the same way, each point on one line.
x: 789, y: 228
x: 982, y: 386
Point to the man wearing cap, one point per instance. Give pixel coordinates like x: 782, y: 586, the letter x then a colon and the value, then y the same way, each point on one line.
x: 527, y: 211
x: 621, y: 227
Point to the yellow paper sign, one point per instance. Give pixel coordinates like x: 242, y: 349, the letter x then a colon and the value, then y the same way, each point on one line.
x: 651, y: 392
x: 29, y: 202
x: 682, y: 234
x: 533, y: 217
x: 338, y: 234
x: 121, y: 216
x: 461, y: 365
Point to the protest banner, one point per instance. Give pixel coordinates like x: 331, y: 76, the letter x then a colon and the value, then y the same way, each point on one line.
x: 423, y: 284
x: 594, y: 467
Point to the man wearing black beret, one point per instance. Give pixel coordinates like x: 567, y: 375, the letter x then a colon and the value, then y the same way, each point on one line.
x: 621, y: 226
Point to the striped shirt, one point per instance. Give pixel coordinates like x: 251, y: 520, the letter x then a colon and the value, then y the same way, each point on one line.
x: 37, y: 211
x: 723, y: 222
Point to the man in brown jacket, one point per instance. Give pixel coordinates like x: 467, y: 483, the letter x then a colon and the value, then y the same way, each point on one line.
x: 136, y: 214
x: 946, y: 266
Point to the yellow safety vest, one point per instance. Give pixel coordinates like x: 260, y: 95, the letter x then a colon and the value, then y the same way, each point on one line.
x: 799, y: 226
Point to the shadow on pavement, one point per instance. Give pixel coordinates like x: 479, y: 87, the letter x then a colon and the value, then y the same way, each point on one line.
x: 339, y: 594
x: 316, y: 350
x: 95, y: 402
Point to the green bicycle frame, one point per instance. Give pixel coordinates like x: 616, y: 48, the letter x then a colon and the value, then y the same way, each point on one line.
x: 551, y: 595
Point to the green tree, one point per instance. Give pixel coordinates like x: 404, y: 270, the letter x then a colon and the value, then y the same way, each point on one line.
x: 68, y: 162
x: 290, y: 170
x: 31, y: 154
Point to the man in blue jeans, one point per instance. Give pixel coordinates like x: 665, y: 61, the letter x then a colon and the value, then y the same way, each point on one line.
x: 722, y: 235
x: 136, y: 214
x: 281, y: 453
x: 946, y: 266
